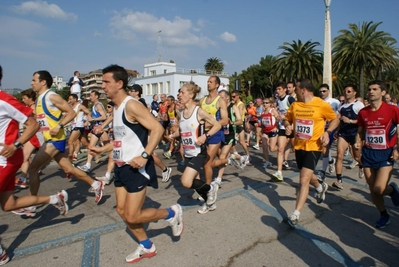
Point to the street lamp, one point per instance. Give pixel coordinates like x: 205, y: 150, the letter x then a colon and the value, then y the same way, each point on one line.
x: 249, y: 85
x: 327, y: 72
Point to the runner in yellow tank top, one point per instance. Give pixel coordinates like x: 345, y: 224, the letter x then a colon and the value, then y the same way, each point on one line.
x: 235, y: 97
x: 48, y: 117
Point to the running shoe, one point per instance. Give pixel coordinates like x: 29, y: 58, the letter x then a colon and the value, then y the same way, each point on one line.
x: 338, y: 185
x: 382, y: 222
x: 320, y: 196
x: 166, y: 175
x: 28, y: 211
x: 104, y: 179
x: 346, y: 152
x: 256, y: 147
x: 212, y: 194
x: 395, y: 194
x: 68, y: 176
x: 182, y: 163
x: 353, y: 164
x: 62, y: 205
x: 84, y: 168
x: 4, y: 257
x: 244, y: 161
x: 167, y: 155
x: 331, y: 166
x: 141, y: 253
x: 361, y: 173
x: 278, y: 176
x: 177, y: 221
x: 236, y: 163
x: 293, y: 220
x: 21, y: 182
x: 98, y: 192
x: 205, y: 208
x: 285, y: 164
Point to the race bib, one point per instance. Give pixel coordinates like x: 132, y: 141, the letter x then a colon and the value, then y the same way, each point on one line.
x: 117, y: 153
x: 187, y: 140
x: 172, y: 121
x: 376, y: 139
x: 304, y: 129
x: 42, y: 121
x: 266, y: 122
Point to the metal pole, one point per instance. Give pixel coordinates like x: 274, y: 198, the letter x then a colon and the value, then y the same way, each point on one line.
x: 327, y: 65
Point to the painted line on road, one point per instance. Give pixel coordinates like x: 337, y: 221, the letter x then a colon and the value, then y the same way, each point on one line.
x: 91, y: 252
x: 337, y: 255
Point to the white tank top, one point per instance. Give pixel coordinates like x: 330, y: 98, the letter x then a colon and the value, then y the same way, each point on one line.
x: 282, y: 108
x: 78, y: 120
x: 189, y: 128
x: 130, y: 138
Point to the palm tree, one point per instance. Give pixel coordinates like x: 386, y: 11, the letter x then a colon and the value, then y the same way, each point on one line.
x: 214, y: 65
x: 299, y: 60
x: 363, y: 50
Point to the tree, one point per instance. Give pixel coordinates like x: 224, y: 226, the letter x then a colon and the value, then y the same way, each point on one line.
x: 363, y: 50
x: 214, y: 65
x: 299, y: 60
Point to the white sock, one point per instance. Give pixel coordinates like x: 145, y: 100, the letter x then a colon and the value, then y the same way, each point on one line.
x: 108, y: 175
x: 53, y: 199
x: 88, y: 165
x: 297, y: 212
x: 218, y: 179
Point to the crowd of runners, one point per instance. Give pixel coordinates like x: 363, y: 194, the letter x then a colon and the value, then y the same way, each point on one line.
x: 201, y: 134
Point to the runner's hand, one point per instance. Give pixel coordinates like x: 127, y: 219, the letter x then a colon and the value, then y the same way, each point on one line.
x: 8, y: 150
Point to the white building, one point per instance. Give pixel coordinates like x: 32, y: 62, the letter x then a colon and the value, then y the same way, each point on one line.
x: 58, y: 83
x: 165, y: 78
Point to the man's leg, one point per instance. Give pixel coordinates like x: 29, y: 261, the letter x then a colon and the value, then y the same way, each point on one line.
x: 46, y: 152
x: 342, y: 144
x: 211, y: 153
x: 73, y: 137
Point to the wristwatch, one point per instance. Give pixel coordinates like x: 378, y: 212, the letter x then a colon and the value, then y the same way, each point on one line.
x: 17, y: 144
x: 61, y: 125
x: 145, y: 155
x: 329, y: 132
x: 207, y: 135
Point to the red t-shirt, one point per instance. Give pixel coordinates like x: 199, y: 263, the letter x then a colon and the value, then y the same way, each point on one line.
x: 379, y: 125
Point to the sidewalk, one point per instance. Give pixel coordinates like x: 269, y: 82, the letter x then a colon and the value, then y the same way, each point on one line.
x: 248, y: 227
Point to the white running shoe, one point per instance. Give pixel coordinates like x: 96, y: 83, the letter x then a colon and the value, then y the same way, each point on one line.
x: 98, y: 192
x: 166, y: 175
x: 353, y: 164
x: 84, y: 168
x: 293, y: 220
x: 4, y: 257
x: 104, y: 179
x: 278, y: 176
x: 331, y: 166
x: 28, y: 211
x: 141, y: 253
x: 177, y: 221
x: 320, y: 196
x: 212, y: 194
x: 62, y: 205
x: 218, y: 181
x: 243, y: 161
x: 234, y: 161
x: 285, y: 164
x: 256, y: 147
x: 361, y: 173
x: 205, y: 208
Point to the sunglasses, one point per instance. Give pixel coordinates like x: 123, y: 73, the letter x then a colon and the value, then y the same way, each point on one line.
x: 323, y: 91
x: 266, y: 102
x: 233, y: 96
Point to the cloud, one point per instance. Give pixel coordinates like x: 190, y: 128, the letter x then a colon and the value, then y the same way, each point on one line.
x: 97, y: 34
x: 43, y: 9
x: 135, y: 26
x: 228, y: 37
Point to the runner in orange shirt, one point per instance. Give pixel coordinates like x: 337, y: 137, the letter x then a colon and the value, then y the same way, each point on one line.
x: 306, y: 119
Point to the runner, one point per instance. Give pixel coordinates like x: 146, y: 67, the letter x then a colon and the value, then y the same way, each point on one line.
x: 378, y: 131
x: 134, y: 168
x: 306, y: 119
x: 268, y: 124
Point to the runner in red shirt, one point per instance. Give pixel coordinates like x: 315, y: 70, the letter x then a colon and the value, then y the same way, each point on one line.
x: 378, y: 133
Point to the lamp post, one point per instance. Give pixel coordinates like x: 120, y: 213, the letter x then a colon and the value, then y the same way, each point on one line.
x: 249, y: 86
x: 327, y: 72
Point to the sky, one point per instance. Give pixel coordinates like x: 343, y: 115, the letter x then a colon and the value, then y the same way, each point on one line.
x: 64, y: 36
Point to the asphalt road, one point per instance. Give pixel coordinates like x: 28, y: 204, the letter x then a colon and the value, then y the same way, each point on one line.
x: 248, y: 228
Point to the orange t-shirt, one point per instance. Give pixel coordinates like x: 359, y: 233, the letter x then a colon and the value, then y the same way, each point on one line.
x: 308, y: 121
x: 251, y: 111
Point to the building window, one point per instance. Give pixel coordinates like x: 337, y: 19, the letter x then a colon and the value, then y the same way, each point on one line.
x: 160, y: 89
x: 165, y: 71
x: 182, y: 83
x: 153, y: 73
x: 167, y: 89
x: 154, y: 88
